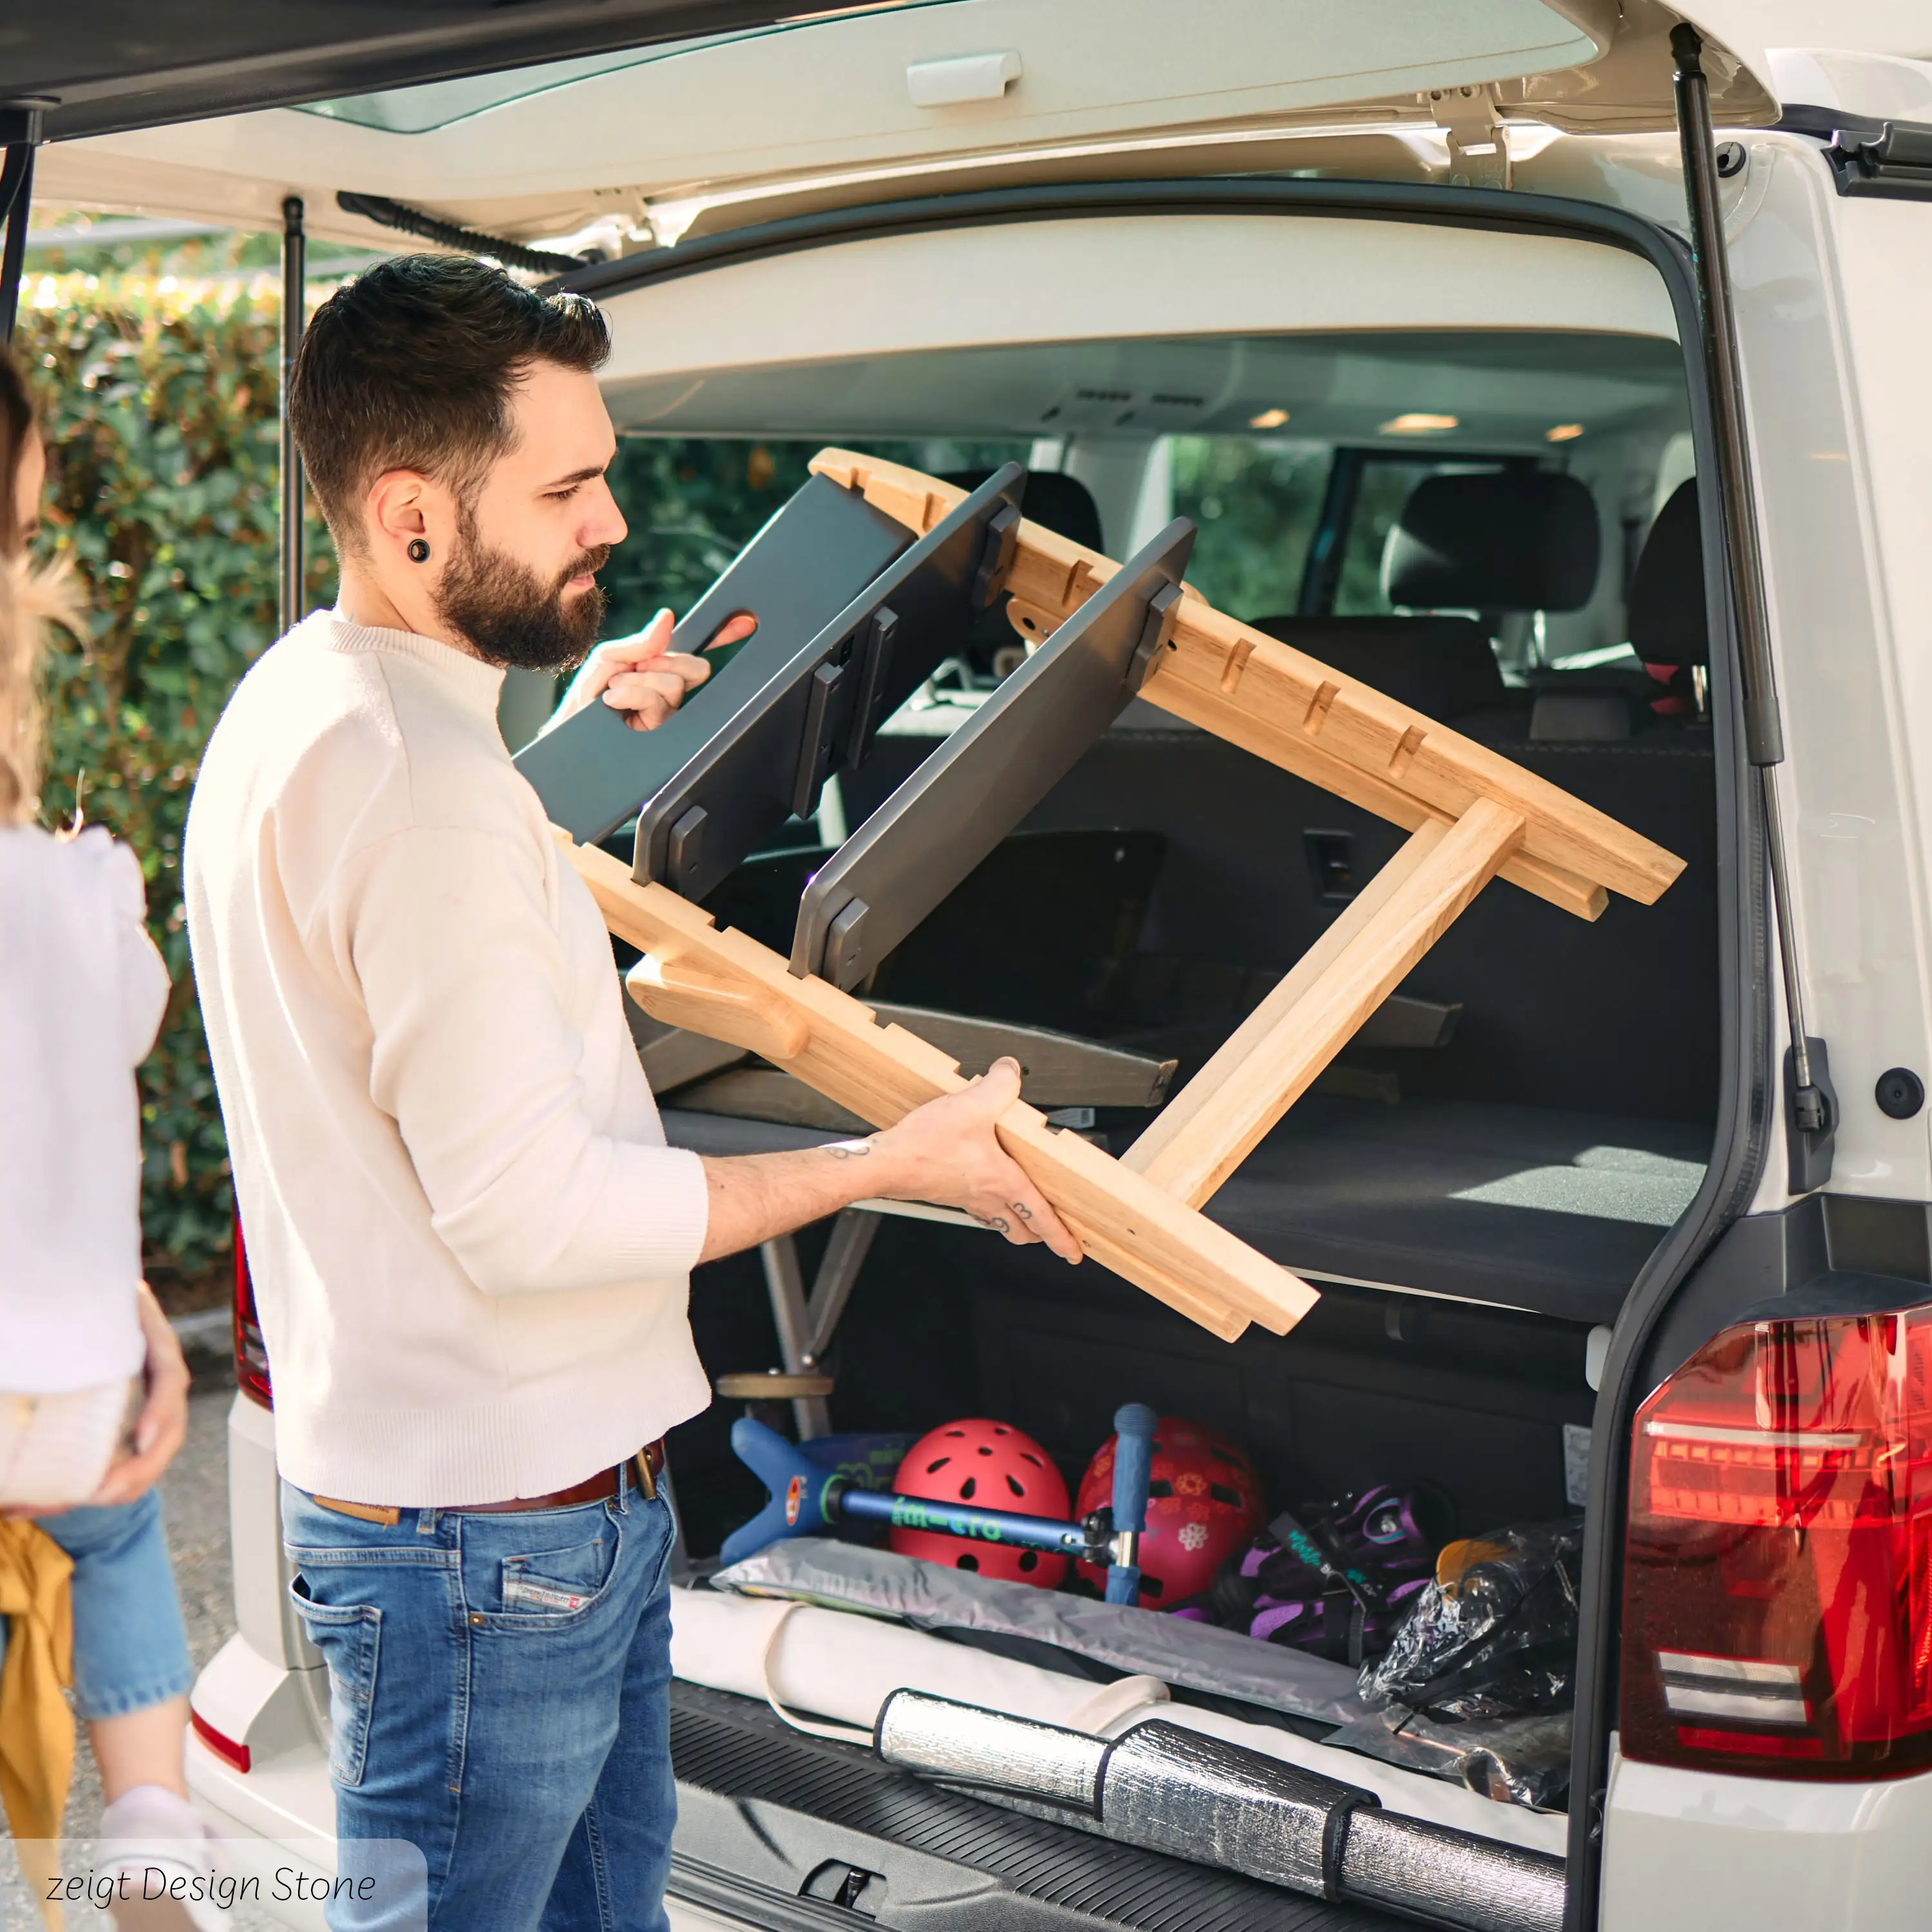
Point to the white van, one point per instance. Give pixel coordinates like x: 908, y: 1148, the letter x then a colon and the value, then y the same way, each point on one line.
x: 1628, y: 1218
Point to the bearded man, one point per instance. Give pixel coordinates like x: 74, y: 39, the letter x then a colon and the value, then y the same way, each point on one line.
x: 471, y: 1248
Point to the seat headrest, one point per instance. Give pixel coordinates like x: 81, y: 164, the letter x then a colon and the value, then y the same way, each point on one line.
x: 1495, y: 540
x: 1442, y: 666
x: 1668, y: 624
x: 1058, y: 503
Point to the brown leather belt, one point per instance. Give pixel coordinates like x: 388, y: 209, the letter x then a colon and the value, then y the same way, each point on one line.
x: 606, y: 1486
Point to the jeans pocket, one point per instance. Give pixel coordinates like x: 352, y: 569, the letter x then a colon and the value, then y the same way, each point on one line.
x: 562, y: 1581
x: 350, y: 1637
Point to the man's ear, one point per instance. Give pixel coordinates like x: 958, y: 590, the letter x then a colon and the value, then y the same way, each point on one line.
x: 407, y: 512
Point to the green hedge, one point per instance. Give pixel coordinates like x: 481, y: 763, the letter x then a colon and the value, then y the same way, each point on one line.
x: 158, y: 401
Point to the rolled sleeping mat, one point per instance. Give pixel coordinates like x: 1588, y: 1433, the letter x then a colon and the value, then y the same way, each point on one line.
x: 1168, y: 1790
x: 1388, y: 1859
x: 968, y: 1745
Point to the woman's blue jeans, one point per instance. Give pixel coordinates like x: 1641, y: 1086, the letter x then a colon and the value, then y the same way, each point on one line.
x: 499, y: 1692
x: 130, y: 1649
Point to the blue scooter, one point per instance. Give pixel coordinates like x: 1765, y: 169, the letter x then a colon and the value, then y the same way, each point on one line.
x: 835, y: 1479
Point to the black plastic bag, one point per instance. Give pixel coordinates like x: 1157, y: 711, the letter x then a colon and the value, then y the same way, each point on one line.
x: 1494, y: 1635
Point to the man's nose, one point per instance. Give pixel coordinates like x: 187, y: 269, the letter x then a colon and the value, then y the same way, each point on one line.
x: 603, y: 522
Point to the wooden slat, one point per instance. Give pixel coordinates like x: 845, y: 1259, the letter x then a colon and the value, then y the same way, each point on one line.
x: 725, y: 984
x: 1297, y: 712
x: 1216, y: 712
x: 1215, y: 1122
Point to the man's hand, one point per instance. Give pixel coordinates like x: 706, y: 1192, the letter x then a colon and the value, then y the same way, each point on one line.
x: 642, y: 676
x: 946, y: 1152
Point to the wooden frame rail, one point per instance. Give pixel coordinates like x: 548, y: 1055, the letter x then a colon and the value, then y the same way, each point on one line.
x: 1295, y: 711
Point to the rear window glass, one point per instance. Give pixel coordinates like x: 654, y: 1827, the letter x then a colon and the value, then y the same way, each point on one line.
x: 1257, y: 504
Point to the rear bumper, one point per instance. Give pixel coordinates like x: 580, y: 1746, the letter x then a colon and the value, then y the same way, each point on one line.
x: 270, y: 1817
x: 1693, y: 1849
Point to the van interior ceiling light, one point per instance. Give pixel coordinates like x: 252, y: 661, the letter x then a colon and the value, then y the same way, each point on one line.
x: 1419, y: 422
x: 1268, y: 419
x: 1563, y: 433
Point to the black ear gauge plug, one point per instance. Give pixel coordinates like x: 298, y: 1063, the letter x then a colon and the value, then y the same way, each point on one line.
x: 418, y: 551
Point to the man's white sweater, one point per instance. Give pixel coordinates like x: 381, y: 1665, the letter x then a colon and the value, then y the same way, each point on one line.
x: 471, y: 1247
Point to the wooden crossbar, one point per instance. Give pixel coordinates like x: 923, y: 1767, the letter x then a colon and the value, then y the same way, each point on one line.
x: 1215, y: 1122
x: 1472, y: 815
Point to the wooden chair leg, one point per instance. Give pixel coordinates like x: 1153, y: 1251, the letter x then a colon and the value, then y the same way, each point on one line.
x: 1265, y: 1065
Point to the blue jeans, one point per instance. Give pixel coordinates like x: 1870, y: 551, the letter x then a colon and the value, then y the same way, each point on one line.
x: 130, y: 1649
x: 499, y: 1697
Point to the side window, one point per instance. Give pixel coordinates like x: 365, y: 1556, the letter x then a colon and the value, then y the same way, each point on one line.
x: 1257, y: 503
x: 1385, y: 487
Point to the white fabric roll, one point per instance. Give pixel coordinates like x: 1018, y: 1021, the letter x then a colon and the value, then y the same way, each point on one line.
x: 830, y: 1663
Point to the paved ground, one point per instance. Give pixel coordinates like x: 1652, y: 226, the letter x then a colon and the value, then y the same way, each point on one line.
x: 194, y: 1494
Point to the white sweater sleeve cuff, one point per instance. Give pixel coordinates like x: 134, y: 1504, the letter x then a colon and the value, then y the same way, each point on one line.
x: 660, y: 1209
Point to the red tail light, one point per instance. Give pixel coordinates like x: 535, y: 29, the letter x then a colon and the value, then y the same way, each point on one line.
x: 251, y: 1354
x: 1778, y: 1580
x: 238, y: 1757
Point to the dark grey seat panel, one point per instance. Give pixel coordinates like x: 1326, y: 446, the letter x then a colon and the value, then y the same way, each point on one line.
x: 1617, y: 1016
x: 1620, y: 1015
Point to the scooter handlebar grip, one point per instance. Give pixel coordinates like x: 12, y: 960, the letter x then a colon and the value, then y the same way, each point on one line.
x: 1133, y: 1464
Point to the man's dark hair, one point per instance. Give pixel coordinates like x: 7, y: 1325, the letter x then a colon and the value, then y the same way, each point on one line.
x: 412, y: 365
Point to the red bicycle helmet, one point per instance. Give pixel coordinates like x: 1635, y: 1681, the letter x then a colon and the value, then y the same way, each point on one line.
x: 1205, y: 1504
x: 995, y: 1466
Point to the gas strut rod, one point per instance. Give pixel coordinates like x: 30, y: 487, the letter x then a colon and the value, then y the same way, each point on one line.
x: 20, y: 130
x: 1764, y: 736
x: 295, y: 279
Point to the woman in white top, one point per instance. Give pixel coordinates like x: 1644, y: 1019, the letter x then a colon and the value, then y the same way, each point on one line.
x: 82, y: 992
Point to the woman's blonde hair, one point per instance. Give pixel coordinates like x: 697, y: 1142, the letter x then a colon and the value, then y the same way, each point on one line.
x: 30, y: 600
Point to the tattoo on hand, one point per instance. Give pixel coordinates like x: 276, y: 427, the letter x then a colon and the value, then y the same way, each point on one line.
x: 847, y: 1149
x: 998, y: 1223
x: 1020, y: 1208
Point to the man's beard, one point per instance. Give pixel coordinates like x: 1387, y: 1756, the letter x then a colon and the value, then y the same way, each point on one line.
x: 509, y: 617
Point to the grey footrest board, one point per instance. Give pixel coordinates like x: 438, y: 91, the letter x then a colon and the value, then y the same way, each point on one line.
x: 763, y: 1810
